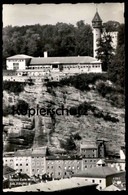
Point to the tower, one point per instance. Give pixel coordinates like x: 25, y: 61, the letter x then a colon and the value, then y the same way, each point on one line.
x: 97, y: 26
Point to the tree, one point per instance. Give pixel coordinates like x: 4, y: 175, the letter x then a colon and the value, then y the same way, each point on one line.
x: 111, y: 26
x: 84, y: 39
x: 117, y: 66
x: 105, y: 51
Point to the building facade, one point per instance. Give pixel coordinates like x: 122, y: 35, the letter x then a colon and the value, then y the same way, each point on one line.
x: 31, y: 161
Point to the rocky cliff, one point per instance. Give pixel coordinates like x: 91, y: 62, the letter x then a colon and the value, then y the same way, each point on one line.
x: 53, y: 130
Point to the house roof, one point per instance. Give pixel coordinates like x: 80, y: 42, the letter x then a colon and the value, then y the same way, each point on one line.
x: 100, y: 162
x: 97, y: 18
x: 53, y: 186
x: 98, y: 172
x: 63, y: 60
x: 63, y: 157
x: 20, y: 176
x: 7, y: 170
x: 19, y: 56
x: 112, y: 188
x: 41, y: 151
x: 88, y: 146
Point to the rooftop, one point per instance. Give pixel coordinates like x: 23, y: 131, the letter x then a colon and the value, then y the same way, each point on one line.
x: 114, y: 188
x: 52, y: 186
x: 41, y: 151
x: 98, y: 172
x: 7, y: 170
x: 63, y: 60
x: 19, y: 56
x: 97, y: 18
x: 88, y: 145
x: 20, y: 176
x: 63, y: 157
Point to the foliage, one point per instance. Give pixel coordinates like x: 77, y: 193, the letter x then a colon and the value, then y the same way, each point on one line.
x: 69, y: 144
x: 116, y: 69
x: 15, y: 87
x: 86, y: 106
x: 77, y: 136
x: 111, y: 26
x: 105, y: 51
x: 22, y: 106
x: 7, y: 110
x: 113, y: 94
x: 80, y: 81
x: 59, y: 40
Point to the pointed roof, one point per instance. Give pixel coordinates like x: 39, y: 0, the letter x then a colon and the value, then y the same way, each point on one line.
x: 97, y: 18
x: 100, y: 162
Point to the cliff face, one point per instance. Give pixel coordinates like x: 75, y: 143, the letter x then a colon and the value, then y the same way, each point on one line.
x: 52, y: 130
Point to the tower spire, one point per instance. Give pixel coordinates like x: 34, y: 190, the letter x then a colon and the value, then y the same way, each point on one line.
x: 97, y: 26
x: 96, y: 8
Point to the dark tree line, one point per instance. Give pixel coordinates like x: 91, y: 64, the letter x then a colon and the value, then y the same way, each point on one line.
x: 59, y: 40
x: 113, y: 64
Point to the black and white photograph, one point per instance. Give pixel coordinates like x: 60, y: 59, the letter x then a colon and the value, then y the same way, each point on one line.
x: 63, y: 97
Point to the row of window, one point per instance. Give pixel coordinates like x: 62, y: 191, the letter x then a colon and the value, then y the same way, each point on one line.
x: 15, y: 60
x: 65, y: 162
x: 90, y: 161
x: 89, y: 155
x: 84, y: 150
x: 68, y: 66
x: 69, y: 167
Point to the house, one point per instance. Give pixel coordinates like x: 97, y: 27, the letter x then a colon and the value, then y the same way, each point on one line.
x: 118, y: 164
x: 62, y: 166
x: 16, y: 62
x: 101, y: 175
x: 29, y: 161
x: 89, y: 149
x: 114, y: 188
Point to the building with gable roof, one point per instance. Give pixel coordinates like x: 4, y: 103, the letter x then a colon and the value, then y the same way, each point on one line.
x: 101, y: 175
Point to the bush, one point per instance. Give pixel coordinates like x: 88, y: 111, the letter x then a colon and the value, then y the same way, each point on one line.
x: 69, y: 144
x: 77, y: 136
x: 80, y: 81
x: 15, y: 87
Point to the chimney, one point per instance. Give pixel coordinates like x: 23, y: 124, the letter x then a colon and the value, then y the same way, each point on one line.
x: 45, y: 54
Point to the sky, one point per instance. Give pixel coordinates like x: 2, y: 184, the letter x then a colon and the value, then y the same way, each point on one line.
x: 22, y: 14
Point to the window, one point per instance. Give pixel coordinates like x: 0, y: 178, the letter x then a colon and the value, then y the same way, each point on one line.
x: 15, y: 66
x: 26, y: 164
x: 55, y: 66
x: 93, y: 181
x: 100, y: 181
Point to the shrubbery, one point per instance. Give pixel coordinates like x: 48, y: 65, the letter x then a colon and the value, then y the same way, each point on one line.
x: 15, y: 87
x: 69, y: 144
x: 86, y: 106
x: 114, y: 95
x: 80, y: 81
